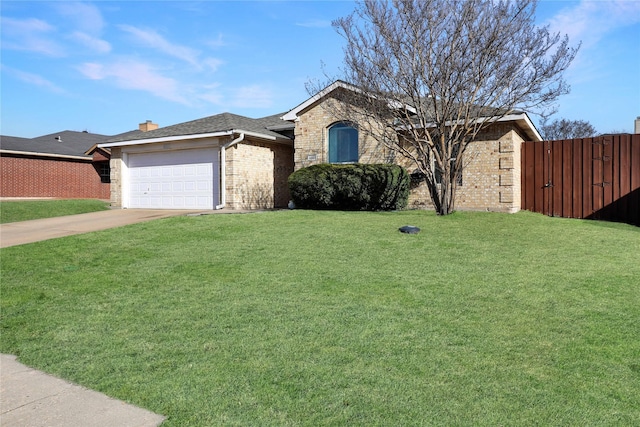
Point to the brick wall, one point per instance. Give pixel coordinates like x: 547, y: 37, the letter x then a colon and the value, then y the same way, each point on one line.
x: 256, y: 175
x: 116, y: 177
x: 62, y: 178
x: 311, y: 140
x: 491, y: 177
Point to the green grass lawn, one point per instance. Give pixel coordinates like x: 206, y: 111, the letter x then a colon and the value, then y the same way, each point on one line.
x: 23, y: 210
x: 299, y: 318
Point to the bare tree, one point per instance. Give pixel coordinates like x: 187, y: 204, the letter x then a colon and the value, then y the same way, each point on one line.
x: 431, y: 74
x: 566, y: 129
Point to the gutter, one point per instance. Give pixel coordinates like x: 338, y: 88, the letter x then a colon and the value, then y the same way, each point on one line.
x: 194, y: 136
x: 223, y: 169
x: 35, y: 153
x: 163, y: 139
x: 522, y: 119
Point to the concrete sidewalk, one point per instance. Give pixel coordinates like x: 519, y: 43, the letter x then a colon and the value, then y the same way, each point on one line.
x: 32, y: 398
x: 20, y: 233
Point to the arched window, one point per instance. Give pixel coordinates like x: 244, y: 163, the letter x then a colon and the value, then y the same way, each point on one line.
x: 343, y: 143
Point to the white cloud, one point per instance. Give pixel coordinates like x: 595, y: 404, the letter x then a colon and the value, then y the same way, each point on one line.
x: 95, y: 44
x: 590, y: 21
x: 218, y: 42
x: 33, y: 79
x: 154, y: 40
x: 85, y: 24
x: 314, y: 23
x: 213, y: 63
x: 254, y: 96
x: 136, y: 75
x: 33, y: 35
x: 25, y: 26
x: 86, y: 17
x: 211, y: 94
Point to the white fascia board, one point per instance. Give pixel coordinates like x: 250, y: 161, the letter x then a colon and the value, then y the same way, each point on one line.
x: 522, y: 119
x: 525, y: 123
x: 293, y: 114
x: 255, y: 134
x: 397, y: 105
x: 274, y: 139
x: 164, y: 139
x: 187, y: 137
x: 89, y: 152
x: 50, y: 155
x: 514, y: 117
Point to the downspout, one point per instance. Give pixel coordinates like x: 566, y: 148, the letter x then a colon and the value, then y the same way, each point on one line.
x: 223, y: 169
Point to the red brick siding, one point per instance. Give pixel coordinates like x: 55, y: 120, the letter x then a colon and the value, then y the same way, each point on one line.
x: 99, y: 157
x: 34, y: 177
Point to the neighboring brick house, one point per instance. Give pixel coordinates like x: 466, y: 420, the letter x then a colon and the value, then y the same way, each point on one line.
x: 220, y: 161
x: 58, y: 165
x: 490, y: 180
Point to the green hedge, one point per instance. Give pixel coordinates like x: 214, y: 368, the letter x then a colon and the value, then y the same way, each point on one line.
x: 371, y: 187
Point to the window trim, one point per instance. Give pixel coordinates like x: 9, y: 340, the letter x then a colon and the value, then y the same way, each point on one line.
x: 343, y: 125
x: 104, y: 170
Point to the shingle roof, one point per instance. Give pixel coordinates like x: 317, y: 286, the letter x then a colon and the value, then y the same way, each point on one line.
x: 67, y: 143
x: 219, y: 123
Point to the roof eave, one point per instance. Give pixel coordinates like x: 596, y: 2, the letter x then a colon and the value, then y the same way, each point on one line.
x: 292, y: 115
x: 95, y: 147
x: 521, y: 119
x: 49, y: 155
x: 191, y: 137
x: 525, y: 123
x: 164, y: 139
x: 288, y: 126
x: 261, y: 136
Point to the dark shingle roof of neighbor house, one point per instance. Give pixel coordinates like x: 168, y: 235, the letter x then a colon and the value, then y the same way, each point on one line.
x: 219, y: 123
x: 65, y: 143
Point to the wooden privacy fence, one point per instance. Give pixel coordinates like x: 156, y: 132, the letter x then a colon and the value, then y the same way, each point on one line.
x: 595, y: 178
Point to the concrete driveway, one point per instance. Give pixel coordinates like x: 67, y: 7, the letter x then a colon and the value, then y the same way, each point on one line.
x: 19, y: 233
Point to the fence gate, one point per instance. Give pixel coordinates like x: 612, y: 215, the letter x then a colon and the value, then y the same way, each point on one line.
x: 596, y: 178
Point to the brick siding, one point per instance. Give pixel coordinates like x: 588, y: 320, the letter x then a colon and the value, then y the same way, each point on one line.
x: 115, y: 165
x: 311, y: 139
x: 490, y: 180
x: 256, y: 175
x: 61, y: 178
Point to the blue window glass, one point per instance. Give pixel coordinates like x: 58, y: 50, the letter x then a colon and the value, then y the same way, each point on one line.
x: 343, y: 143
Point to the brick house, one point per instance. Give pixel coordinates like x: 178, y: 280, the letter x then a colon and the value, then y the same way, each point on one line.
x: 222, y: 161
x: 59, y: 165
x: 490, y: 181
x: 237, y: 162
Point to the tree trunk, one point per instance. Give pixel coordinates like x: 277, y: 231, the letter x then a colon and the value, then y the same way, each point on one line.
x: 442, y: 196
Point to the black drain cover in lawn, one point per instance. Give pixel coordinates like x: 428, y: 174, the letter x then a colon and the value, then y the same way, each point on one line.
x: 409, y: 229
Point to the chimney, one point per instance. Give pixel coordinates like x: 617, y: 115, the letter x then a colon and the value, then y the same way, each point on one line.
x: 637, y: 127
x: 147, y: 126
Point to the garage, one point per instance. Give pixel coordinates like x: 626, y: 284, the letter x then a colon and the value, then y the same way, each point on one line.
x: 181, y: 179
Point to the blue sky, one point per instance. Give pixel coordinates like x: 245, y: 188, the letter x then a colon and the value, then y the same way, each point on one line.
x: 105, y: 66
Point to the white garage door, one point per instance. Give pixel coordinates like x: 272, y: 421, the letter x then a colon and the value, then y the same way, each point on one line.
x: 183, y: 179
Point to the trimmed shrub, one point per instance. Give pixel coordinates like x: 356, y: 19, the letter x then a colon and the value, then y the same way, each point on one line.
x: 371, y: 187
